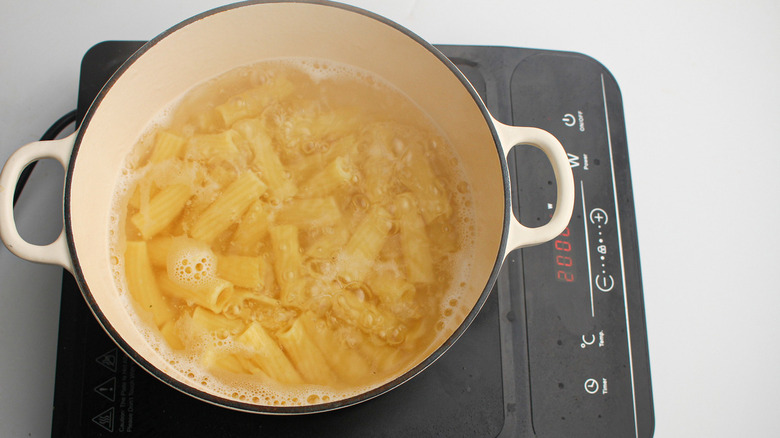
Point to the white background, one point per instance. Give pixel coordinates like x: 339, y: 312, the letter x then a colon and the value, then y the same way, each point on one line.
x: 701, y: 91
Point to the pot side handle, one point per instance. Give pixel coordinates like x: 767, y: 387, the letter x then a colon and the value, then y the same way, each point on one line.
x: 55, y: 253
x: 519, y: 235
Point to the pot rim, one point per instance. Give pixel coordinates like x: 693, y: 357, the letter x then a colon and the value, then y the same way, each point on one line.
x: 237, y: 404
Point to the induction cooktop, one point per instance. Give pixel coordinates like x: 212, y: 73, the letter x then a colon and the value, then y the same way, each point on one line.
x: 559, y: 349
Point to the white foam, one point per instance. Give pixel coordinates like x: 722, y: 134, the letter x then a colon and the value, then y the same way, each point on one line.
x: 191, y: 263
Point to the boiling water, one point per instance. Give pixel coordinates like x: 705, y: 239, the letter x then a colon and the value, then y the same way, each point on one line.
x: 377, y: 261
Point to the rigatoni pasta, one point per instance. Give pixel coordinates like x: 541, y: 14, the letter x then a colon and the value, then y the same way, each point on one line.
x: 142, y: 284
x: 228, y: 207
x: 301, y: 233
x: 161, y: 210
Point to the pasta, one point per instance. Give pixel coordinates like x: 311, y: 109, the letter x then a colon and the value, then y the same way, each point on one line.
x: 305, y: 354
x: 287, y: 263
x: 254, y: 101
x: 316, y: 212
x: 414, y: 240
x: 142, y: 284
x: 213, y: 147
x: 267, y: 160
x: 364, y: 245
x: 242, y: 271
x: 268, y: 355
x: 295, y: 232
x: 251, y: 229
x: 168, y: 145
x: 161, y: 210
x: 228, y: 208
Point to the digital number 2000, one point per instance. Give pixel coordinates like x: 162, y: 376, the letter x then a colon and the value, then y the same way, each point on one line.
x: 563, y: 257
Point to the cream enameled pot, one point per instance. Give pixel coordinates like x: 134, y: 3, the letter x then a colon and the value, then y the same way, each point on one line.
x: 245, y: 33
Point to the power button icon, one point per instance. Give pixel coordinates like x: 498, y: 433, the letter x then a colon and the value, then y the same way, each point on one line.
x: 605, y: 283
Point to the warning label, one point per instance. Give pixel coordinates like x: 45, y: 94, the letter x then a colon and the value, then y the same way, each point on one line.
x: 119, y: 390
x: 126, y: 396
x: 108, y: 359
x: 107, y: 389
x: 105, y: 419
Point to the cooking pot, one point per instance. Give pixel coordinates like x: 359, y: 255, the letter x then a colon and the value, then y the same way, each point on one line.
x: 220, y: 40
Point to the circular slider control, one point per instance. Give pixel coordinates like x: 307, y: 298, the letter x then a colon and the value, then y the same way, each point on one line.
x: 598, y: 216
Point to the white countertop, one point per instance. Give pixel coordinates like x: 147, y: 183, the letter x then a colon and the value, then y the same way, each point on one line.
x: 701, y: 91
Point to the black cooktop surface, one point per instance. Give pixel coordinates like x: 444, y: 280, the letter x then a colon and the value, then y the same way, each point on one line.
x: 559, y: 349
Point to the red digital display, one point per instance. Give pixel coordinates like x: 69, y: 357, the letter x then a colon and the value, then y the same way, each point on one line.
x: 563, y: 257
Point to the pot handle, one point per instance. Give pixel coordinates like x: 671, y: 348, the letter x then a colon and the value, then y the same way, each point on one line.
x: 519, y: 235
x: 55, y: 253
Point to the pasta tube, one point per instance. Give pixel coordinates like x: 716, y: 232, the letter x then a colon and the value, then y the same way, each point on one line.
x: 167, y: 145
x: 418, y: 176
x: 242, y: 271
x: 381, y: 357
x: 216, y: 359
x: 287, y: 263
x: 252, y: 102
x: 214, y: 295
x: 168, y: 330
x: 335, y: 175
x: 161, y: 210
x: 142, y: 284
x: 215, y: 323
x: 346, y: 147
x: 158, y: 249
x: 344, y: 360
x: 305, y: 355
x: 330, y: 241
x: 378, y: 171
x: 414, y: 240
x: 213, y: 147
x: 266, y: 161
x: 307, y: 213
x: 266, y: 353
x: 390, y: 288
x: 364, y: 245
x: 363, y: 314
x: 228, y: 208
x: 251, y: 229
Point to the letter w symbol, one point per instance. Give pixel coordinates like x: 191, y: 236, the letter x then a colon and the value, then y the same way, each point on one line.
x: 574, y: 160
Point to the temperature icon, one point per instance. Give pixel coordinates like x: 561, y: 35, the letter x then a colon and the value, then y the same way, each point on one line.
x: 588, y: 341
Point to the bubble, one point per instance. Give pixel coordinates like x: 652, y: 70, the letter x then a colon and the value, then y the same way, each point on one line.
x: 191, y: 263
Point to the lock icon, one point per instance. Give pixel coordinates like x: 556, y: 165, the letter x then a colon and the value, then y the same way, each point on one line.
x: 602, y: 249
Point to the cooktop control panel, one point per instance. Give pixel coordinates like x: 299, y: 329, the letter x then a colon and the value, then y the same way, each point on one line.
x: 573, y: 306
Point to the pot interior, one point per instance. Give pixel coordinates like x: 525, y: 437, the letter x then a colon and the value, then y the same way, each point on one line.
x: 221, y: 40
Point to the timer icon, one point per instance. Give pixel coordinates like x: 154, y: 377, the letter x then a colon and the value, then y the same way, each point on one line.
x: 591, y: 386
